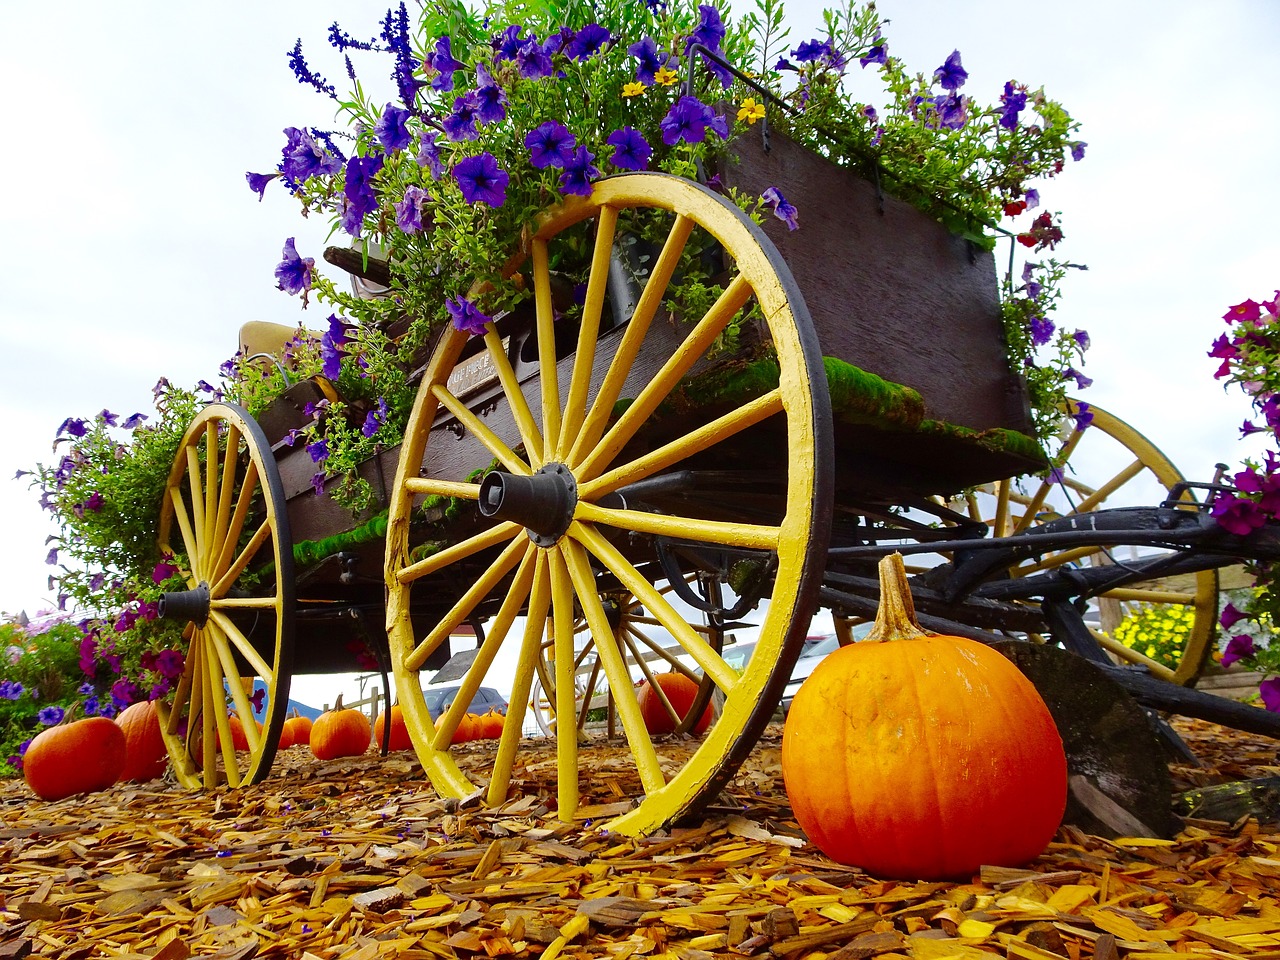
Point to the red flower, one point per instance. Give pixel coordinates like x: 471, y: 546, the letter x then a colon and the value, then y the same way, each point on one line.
x: 1014, y: 207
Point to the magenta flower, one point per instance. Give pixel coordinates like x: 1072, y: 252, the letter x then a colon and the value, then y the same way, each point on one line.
x: 1247, y: 311
x: 466, y: 316
x: 1231, y: 616
x: 1238, y: 647
x: 1270, y: 692
x: 630, y: 149
x: 482, y: 180
x: 293, y: 273
x: 550, y: 145
x: 782, y: 208
x: 1237, y: 515
x: 170, y: 664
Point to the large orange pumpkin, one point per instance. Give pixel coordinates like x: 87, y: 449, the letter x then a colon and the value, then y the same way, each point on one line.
x: 146, y: 756
x: 680, y: 691
x: 299, y: 728
x: 340, y: 732
x: 76, y: 756
x: 467, y: 728
x: 399, y: 732
x: 915, y: 755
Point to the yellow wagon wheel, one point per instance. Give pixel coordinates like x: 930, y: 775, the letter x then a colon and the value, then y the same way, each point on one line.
x: 223, y: 520
x: 638, y: 634
x: 604, y: 468
x: 1110, y: 464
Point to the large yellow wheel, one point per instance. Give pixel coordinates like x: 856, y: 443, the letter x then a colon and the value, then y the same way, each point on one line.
x: 607, y: 478
x: 639, y: 637
x: 1110, y: 464
x: 223, y: 521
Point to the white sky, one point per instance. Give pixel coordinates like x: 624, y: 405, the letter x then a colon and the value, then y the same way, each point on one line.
x: 133, y: 248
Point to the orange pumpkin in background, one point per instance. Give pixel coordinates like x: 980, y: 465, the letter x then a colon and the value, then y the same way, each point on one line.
x: 399, y: 732
x: 340, y: 732
x: 76, y: 756
x: 145, y: 755
x: 922, y: 756
x: 680, y: 691
x: 298, y: 728
x: 489, y: 726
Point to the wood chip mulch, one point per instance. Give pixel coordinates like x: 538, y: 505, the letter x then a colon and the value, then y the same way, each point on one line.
x: 360, y: 859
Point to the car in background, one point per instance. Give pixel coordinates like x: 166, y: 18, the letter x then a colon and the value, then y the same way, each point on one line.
x: 440, y: 699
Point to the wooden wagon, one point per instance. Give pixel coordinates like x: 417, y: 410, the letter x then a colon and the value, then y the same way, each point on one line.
x: 591, y: 492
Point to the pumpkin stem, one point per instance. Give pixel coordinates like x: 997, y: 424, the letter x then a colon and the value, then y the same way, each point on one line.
x: 896, y: 615
x: 337, y: 704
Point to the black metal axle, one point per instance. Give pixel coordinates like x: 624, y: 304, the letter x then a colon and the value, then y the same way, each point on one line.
x: 542, y: 503
x: 191, y: 605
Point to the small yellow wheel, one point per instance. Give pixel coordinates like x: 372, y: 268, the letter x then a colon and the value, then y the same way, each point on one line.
x: 1110, y: 464
x: 223, y: 522
x: 609, y: 477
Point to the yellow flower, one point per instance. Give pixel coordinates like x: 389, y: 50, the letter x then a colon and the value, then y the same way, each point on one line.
x: 666, y: 77
x: 633, y: 89
x: 750, y: 111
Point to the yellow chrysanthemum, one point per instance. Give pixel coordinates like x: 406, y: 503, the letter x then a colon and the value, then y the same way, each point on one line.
x: 666, y: 77
x: 633, y: 89
x: 750, y: 111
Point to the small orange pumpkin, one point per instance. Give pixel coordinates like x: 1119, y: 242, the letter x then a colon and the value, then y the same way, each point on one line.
x: 399, y: 732
x: 76, y: 756
x: 489, y: 726
x: 340, y: 732
x: 917, y: 755
x: 299, y: 728
x: 145, y: 753
x: 467, y: 729
x: 286, y: 738
x: 680, y: 691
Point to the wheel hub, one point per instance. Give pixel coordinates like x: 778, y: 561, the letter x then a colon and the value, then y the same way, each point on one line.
x: 542, y: 503
x: 192, y: 605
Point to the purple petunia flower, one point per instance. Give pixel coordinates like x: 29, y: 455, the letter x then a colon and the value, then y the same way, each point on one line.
x: 578, y: 173
x: 550, y: 145
x: 429, y: 157
x: 587, y: 42
x: 951, y: 111
x: 258, y: 182
x: 10, y: 689
x: 133, y: 421
x: 1041, y: 330
x: 1083, y: 416
x: 651, y: 59
x: 951, y: 75
x: 709, y: 31
x: 51, y: 715
x: 442, y: 61
x: 1269, y: 690
x: 508, y: 44
x: 293, y: 273
x: 358, y: 192
x: 534, y: 62
x: 409, y: 210
x: 462, y: 125
x: 303, y: 157
x: 466, y: 316
x: 482, y: 180
x: 1013, y: 100
x: 170, y: 663
x: 374, y: 418
x: 73, y: 427
x: 491, y: 102
x: 319, y: 450
x: 812, y: 50
x: 687, y: 120
x: 782, y: 208
x: 630, y: 149
x: 392, y: 128
x: 1077, y: 150
x: 1238, y: 648
x: 879, y: 53
x: 1082, y: 382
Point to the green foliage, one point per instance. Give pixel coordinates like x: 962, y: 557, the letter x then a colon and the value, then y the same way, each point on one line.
x: 37, y: 674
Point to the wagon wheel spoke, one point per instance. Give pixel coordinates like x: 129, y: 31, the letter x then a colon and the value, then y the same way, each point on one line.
x: 224, y: 510
x: 1109, y: 464
x: 599, y: 471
